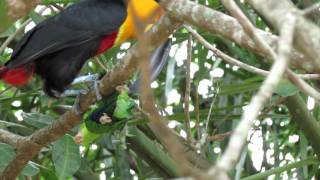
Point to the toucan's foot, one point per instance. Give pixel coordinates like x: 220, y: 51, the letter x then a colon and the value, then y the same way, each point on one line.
x: 92, y: 79
x: 73, y: 92
x: 86, y: 79
x: 76, y: 105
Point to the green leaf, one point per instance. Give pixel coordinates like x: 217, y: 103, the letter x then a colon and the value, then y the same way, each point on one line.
x: 7, y: 154
x: 277, y: 170
x: 47, y: 174
x: 37, y: 120
x: 66, y: 157
x: 85, y: 171
x: 285, y: 88
x: 36, y: 18
x: 11, y: 124
x: 30, y: 170
x: 121, y: 164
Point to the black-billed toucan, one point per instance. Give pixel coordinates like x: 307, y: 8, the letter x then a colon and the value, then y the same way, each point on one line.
x: 57, y: 48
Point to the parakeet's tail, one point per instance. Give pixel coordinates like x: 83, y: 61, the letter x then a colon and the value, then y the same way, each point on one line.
x: 157, y: 61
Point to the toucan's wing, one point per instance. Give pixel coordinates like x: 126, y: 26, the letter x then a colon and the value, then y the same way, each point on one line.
x: 78, y: 24
x: 48, y: 37
x: 99, y: 16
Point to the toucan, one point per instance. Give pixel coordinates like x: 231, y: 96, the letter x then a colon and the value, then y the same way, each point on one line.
x: 57, y: 48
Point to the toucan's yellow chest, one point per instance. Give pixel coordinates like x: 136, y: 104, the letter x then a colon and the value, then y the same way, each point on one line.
x: 143, y: 10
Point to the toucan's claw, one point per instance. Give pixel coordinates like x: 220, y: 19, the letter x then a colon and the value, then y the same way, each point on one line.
x: 76, y: 106
x: 92, y: 79
x: 73, y: 92
x: 79, y: 93
x: 86, y: 79
x: 96, y: 88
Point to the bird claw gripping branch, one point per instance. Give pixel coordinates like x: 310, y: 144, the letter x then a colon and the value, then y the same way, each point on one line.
x: 92, y: 79
x: 76, y: 106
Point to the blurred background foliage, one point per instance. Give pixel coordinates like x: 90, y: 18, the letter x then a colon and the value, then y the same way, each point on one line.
x: 276, y: 149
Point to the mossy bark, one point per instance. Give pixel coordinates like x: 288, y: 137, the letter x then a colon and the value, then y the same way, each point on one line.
x: 5, y: 20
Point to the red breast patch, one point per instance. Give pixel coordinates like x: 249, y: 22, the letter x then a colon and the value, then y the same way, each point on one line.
x: 107, y: 42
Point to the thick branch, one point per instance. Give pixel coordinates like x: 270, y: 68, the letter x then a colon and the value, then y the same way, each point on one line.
x: 10, y: 138
x: 239, y: 136
x: 307, y: 34
x: 308, y: 124
x: 237, y: 62
x: 228, y: 27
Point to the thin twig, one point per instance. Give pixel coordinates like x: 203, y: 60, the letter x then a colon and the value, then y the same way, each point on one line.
x: 12, y: 36
x: 197, y: 112
x: 7, y: 89
x: 250, y: 29
x: 203, y: 139
x: 22, y: 27
x: 264, y: 113
x: 238, y: 139
x: 101, y: 64
x: 294, y: 78
x: 303, y: 86
x: 311, y: 9
x: 211, y: 108
x: 187, y: 92
x: 238, y: 63
x: 219, y: 137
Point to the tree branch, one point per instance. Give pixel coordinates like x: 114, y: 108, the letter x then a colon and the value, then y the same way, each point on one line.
x: 229, y: 28
x: 250, y: 29
x: 239, y: 136
x: 11, y: 138
x: 237, y: 62
x: 305, y: 120
x: 307, y: 34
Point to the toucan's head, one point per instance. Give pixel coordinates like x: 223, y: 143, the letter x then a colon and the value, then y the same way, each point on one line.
x: 145, y: 11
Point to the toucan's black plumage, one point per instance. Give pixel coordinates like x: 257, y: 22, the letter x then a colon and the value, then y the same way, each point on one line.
x: 58, y: 47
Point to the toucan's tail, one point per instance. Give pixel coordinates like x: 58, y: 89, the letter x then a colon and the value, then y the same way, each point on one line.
x: 17, y: 76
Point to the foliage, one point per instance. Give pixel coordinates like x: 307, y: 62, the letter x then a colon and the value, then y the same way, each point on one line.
x: 219, y: 90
